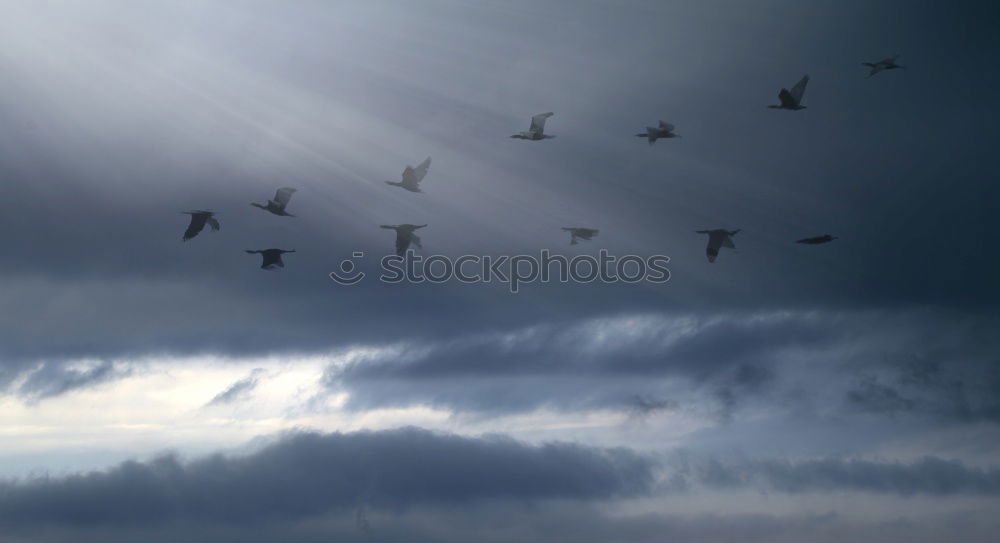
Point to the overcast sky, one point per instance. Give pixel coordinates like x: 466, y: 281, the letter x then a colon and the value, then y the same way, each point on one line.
x: 848, y: 391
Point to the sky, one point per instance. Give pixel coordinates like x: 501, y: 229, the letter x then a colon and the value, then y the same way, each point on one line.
x: 173, y: 390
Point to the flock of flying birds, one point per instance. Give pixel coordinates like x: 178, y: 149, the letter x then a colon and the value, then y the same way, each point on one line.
x: 412, y: 176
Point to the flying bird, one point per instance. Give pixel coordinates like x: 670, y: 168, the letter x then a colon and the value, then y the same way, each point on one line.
x: 664, y: 130
x: 580, y: 233
x: 413, y: 176
x: 537, y: 129
x: 825, y: 238
x: 792, y: 99
x: 271, y: 258
x: 884, y: 64
x: 404, y: 236
x: 197, y: 224
x: 717, y: 239
x: 278, y: 204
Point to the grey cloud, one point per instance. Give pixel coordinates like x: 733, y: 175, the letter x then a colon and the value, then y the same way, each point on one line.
x: 309, y: 474
x: 238, y: 390
x: 53, y: 379
x: 726, y: 361
x: 577, y: 522
x: 930, y: 475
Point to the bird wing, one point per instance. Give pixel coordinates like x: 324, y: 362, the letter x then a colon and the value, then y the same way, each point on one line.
x: 416, y: 240
x: 800, y: 88
x: 213, y: 222
x: 727, y: 242
x: 413, y: 176
x: 196, y: 225
x: 716, y: 240
x: 652, y: 133
x: 402, y: 242
x: 538, y: 122
x: 786, y: 98
x: 667, y: 127
x: 283, y: 196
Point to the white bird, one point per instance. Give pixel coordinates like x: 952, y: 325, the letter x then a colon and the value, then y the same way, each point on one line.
x: 278, y: 204
x: 537, y: 129
x: 716, y: 240
x: 413, y: 176
x: 884, y: 64
x: 198, y: 220
x: 664, y: 130
x: 579, y: 233
x: 404, y: 236
x: 271, y: 258
x: 792, y: 99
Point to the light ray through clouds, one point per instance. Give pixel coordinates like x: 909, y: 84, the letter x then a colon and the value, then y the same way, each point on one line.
x: 842, y: 392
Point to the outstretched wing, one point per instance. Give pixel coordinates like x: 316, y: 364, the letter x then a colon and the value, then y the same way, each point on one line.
x: 728, y: 242
x: 413, y: 176
x: 196, y: 225
x: 538, y: 122
x: 799, y: 89
x: 283, y: 196
x: 212, y: 222
x: 666, y: 127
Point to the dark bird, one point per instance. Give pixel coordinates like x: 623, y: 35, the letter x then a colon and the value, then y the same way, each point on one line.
x: 884, y: 64
x: 271, y: 258
x: 792, y: 99
x: 580, y: 233
x: 413, y: 176
x: 197, y: 224
x: 825, y: 238
x: 716, y: 240
x: 537, y: 129
x: 278, y: 204
x: 405, y: 236
x: 665, y: 130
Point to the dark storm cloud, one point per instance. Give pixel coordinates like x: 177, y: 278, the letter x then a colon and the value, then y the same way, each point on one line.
x: 153, y: 108
x: 725, y: 360
x: 309, y: 474
x: 411, y: 480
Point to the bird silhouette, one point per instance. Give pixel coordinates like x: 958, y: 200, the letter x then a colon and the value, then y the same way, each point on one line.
x: 664, y: 130
x: 278, y: 204
x: 198, y: 220
x: 884, y: 64
x: 825, y: 238
x: 413, y: 176
x: 717, y: 239
x: 537, y: 129
x: 271, y: 258
x: 576, y: 233
x: 404, y: 236
x: 792, y: 99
